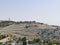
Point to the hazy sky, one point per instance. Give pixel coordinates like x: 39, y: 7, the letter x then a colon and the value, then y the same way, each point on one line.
x: 46, y: 11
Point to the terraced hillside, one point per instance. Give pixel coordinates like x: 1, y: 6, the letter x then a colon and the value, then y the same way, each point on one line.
x: 32, y: 30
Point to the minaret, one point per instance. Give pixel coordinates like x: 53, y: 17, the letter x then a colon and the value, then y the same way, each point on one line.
x: 8, y: 19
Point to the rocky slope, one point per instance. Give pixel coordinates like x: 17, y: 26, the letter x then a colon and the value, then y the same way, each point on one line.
x: 32, y: 30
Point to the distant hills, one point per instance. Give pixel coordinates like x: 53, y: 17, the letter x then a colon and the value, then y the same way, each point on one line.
x: 30, y: 29
x: 7, y: 23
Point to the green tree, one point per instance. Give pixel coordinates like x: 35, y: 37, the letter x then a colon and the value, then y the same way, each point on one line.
x: 24, y: 41
x: 1, y: 44
x: 37, y: 41
x: 51, y: 43
x: 19, y: 40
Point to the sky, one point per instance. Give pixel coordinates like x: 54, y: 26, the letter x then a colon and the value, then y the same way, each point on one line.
x: 45, y: 11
